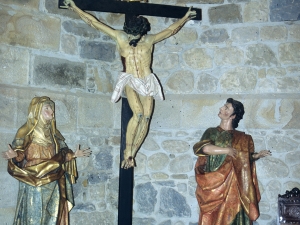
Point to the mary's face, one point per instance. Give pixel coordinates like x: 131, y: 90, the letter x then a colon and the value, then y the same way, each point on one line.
x: 47, y: 112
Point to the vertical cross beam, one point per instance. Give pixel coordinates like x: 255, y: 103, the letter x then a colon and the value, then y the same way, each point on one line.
x: 126, y: 176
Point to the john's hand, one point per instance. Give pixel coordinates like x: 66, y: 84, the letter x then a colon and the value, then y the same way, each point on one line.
x: 262, y: 154
x: 232, y: 152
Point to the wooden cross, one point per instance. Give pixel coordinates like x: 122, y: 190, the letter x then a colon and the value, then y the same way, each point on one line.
x: 134, y: 8
x: 126, y: 176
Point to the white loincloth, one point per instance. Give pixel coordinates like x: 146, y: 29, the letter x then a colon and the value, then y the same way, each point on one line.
x: 146, y: 86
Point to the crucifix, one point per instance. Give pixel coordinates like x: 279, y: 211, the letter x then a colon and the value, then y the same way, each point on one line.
x: 135, y: 47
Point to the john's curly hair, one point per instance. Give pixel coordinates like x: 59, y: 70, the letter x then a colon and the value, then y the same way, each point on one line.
x: 239, y: 111
x: 136, y: 25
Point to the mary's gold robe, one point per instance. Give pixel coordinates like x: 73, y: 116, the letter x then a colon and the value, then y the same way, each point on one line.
x: 44, y: 169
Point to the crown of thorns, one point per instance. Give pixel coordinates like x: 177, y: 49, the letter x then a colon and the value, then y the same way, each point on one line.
x: 136, y: 25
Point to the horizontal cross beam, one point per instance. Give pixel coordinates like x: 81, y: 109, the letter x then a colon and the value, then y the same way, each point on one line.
x: 134, y: 8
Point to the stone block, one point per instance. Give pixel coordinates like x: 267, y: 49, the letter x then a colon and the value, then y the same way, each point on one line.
x: 181, y: 164
x: 288, y: 84
x: 264, y: 207
x: 273, y: 33
x: 14, y: 65
x: 165, y: 61
x: 9, y: 190
x: 173, y: 204
x: 290, y: 185
x: 166, y: 114
x: 84, y: 207
x: 7, y: 215
x: 260, y: 55
x: 159, y: 176
x: 158, y: 161
x: 294, y: 122
x: 214, y: 36
x: 181, y: 82
x: 266, y: 85
x: 8, y: 105
x: 238, y: 1
x: 239, y: 79
x: 294, y: 32
x: 102, y: 51
x: 207, y: 83
x: 29, y: 4
x: 103, y: 79
x: 79, y: 218
x: 272, y: 168
x: 115, y: 19
x: 58, y: 73
x: 268, y: 113
x: 170, y: 183
x: 99, y: 178
x: 206, y: 1
x: 289, y: 53
x: 282, y: 144
x: 167, y: 222
x: 278, y: 72
x: 112, y: 197
x: 145, y: 197
x: 69, y: 44
x: 95, y: 113
x: 295, y: 171
x: 273, y: 188
x: 141, y: 162
x: 179, y: 176
x: 65, y: 106
x: 229, y: 13
x: 284, y: 10
x: 80, y: 29
x: 184, y: 37
x: 30, y: 30
x: 143, y: 221
x: 293, y: 158
x: 53, y: 8
x: 194, y: 111
x: 198, y: 58
x: 175, y: 146
x: 255, y: 12
x: 228, y: 56
x: 104, y: 159
x: 150, y: 144
x: 245, y: 34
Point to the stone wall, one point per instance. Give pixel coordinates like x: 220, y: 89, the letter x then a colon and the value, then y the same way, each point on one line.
x: 245, y: 49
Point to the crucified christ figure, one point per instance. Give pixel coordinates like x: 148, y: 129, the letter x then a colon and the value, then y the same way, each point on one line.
x: 135, y: 47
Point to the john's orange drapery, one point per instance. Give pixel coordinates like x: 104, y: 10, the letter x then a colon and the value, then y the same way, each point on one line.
x: 226, y: 186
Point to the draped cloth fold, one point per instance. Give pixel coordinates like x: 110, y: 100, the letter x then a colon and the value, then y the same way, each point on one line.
x: 146, y: 86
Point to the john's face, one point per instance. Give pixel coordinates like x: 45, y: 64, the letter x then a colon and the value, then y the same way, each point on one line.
x: 226, y: 111
x: 47, y: 112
